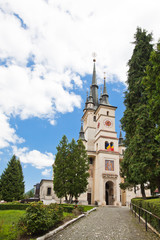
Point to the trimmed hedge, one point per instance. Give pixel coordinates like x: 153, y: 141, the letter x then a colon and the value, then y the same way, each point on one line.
x: 69, y: 208
x: 10, y: 206
x: 151, y: 205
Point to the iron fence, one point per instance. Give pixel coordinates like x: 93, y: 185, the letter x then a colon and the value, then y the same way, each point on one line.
x: 147, y: 215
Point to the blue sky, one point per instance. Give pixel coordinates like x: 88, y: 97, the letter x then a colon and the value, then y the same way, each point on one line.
x: 46, y: 68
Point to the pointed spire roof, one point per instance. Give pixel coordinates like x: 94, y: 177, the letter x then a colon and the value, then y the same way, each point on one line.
x: 94, y: 84
x: 101, y: 96
x: 105, y: 94
x: 94, y: 80
x: 104, y: 88
x: 81, y: 133
x: 120, y: 139
x: 90, y: 99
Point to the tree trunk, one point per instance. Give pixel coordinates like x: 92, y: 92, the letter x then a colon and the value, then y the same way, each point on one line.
x: 66, y: 199
x: 143, y: 191
x: 70, y: 199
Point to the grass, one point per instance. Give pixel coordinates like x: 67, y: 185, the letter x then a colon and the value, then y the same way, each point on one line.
x: 87, y: 208
x: 7, y: 218
x: 65, y: 214
x: 10, y: 217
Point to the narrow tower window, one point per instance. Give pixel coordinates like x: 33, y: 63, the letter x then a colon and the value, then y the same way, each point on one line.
x: 107, y: 145
x: 107, y: 113
x: 94, y: 118
x: 111, y: 146
x: 90, y: 160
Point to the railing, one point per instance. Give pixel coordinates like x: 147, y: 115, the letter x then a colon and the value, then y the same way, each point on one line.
x: 137, y: 211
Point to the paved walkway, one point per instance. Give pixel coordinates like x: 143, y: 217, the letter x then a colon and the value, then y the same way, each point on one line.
x: 106, y: 224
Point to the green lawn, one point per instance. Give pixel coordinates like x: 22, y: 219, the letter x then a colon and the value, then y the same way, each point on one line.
x: 7, y: 218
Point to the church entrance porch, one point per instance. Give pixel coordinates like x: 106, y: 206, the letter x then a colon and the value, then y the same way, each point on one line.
x: 109, y: 193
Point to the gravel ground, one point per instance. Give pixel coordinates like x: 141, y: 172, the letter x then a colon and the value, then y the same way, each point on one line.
x: 106, y: 224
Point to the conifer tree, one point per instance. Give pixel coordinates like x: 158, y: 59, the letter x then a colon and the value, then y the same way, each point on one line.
x: 12, y: 183
x: 60, y: 169
x: 70, y: 169
x: 135, y: 120
x: 152, y: 89
x: 82, y: 167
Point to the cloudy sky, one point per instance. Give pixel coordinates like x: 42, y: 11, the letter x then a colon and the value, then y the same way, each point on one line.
x: 46, y: 64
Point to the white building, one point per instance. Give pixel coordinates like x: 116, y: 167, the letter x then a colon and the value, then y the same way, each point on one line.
x: 105, y: 153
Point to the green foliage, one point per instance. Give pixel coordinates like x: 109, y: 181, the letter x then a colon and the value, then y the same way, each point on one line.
x: 68, y: 208
x: 70, y: 169
x: 152, y: 88
x: 8, y: 221
x: 29, y: 194
x: 59, y: 168
x: 152, y: 84
x: 125, y: 185
x: 14, y: 206
x: 151, y: 205
x: 135, y: 122
x: 12, y: 184
x: 77, y: 169
x: 40, y: 218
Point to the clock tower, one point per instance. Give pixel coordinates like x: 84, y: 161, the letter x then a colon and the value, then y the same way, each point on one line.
x: 101, y: 142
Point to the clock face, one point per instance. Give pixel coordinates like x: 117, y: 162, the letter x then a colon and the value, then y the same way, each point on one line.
x: 107, y: 123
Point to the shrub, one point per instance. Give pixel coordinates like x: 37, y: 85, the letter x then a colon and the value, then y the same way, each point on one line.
x: 67, y: 208
x: 151, y: 205
x: 40, y: 218
x: 13, y: 206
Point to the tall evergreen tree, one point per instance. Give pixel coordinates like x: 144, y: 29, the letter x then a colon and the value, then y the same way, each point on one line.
x: 12, y: 183
x: 70, y: 170
x: 59, y: 169
x: 78, y: 169
x: 152, y: 88
x: 81, y: 167
x: 135, y: 120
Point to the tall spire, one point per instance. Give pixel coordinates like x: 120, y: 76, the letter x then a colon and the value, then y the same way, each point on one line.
x: 100, y: 100
x: 94, y: 83
x: 94, y: 80
x: 120, y: 138
x: 81, y: 133
x: 105, y: 94
x: 90, y: 99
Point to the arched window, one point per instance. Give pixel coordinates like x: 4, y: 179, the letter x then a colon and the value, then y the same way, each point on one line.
x: 107, y: 145
x: 107, y: 113
x: 111, y: 146
x: 94, y: 118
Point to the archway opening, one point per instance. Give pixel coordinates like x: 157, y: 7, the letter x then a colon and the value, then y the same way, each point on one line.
x: 109, y: 193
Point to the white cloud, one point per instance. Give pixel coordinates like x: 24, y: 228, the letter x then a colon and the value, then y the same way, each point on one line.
x: 7, y: 133
x: 59, y: 37
x: 46, y: 172
x: 35, y: 158
x: 116, y: 90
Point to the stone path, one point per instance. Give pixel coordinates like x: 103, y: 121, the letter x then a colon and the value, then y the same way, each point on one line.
x: 106, y: 224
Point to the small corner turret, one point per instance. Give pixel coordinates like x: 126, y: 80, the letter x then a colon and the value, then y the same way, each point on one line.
x: 120, y: 142
x: 81, y: 133
x: 104, y: 97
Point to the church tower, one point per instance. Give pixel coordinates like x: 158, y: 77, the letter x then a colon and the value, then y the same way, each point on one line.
x: 101, y: 142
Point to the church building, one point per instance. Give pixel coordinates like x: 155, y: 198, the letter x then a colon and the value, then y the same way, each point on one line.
x: 105, y: 152
x: 100, y: 139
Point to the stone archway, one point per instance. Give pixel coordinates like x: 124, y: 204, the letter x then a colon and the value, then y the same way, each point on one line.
x: 109, y: 193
